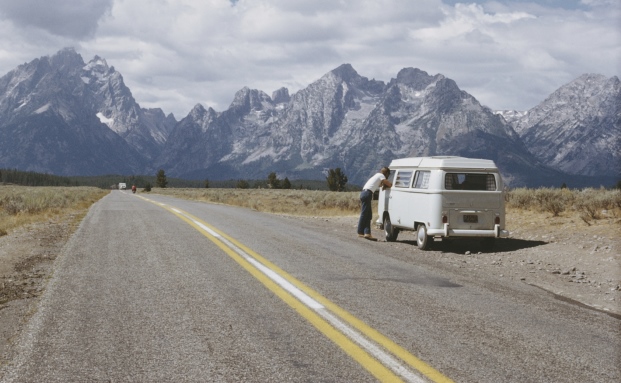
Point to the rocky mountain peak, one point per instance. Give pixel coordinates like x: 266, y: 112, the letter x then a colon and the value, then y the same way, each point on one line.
x: 66, y: 58
x: 248, y: 99
x: 590, y: 84
x: 281, y: 96
x: 197, y: 112
x: 584, y: 90
x: 83, y: 111
x: 416, y: 78
x: 580, y: 99
x: 345, y: 72
x: 97, y: 65
x: 40, y: 85
x: 511, y: 116
x: 577, y: 128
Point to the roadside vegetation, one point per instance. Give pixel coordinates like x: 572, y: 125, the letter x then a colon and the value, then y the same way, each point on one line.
x: 49, y: 195
x: 588, y: 204
x: 22, y: 205
x: 281, y: 201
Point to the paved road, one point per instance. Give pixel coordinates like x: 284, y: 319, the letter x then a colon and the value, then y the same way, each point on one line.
x: 165, y: 290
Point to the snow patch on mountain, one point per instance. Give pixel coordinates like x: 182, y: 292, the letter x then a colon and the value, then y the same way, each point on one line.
x: 105, y: 120
x: 42, y: 109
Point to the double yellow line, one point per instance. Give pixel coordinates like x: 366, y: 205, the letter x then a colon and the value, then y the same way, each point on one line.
x: 348, y: 332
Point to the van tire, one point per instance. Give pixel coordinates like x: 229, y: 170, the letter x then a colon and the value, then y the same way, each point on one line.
x: 422, y: 239
x: 390, y: 232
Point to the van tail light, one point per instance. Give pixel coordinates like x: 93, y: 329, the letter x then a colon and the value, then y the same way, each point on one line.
x: 497, y: 220
x: 444, y: 219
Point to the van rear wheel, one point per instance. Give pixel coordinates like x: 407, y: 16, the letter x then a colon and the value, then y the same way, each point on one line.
x: 390, y: 232
x: 422, y: 239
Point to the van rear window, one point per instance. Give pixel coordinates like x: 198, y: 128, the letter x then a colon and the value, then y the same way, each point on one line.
x: 470, y: 181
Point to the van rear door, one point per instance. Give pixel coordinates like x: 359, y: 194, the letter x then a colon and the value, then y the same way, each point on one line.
x: 472, y: 200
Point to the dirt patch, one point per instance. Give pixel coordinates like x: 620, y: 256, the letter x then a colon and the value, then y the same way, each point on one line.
x: 576, y: 260
x: 27, y: 255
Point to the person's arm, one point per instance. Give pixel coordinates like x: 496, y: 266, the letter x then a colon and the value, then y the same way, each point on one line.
x: 385, y: 184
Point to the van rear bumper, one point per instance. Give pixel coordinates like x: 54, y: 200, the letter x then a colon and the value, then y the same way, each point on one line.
x: 446, y: 231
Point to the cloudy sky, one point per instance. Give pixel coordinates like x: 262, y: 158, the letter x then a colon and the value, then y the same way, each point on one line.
x: 175, y: 54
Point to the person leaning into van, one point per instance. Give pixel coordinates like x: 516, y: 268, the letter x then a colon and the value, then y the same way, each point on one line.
x: 366, y: 196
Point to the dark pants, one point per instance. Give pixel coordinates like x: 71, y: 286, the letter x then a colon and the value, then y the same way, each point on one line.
x: 364, y: 223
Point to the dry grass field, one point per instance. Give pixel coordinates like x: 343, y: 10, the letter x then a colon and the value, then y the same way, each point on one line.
x: 280, y: 201
x: 22, y: 205
x: 589, y: 204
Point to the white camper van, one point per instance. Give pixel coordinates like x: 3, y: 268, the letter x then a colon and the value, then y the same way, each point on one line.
x: 443, y: 197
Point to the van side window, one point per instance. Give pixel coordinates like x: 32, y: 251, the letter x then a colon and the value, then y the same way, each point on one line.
x: 422, y: 179
x: 403, y: 179
x: 470, y: 181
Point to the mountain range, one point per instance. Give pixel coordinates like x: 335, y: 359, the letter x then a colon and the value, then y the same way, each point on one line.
x: 63, y: 116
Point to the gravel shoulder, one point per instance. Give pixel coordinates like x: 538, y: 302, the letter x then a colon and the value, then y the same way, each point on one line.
x: 565, y: 256
x: 577, y: 262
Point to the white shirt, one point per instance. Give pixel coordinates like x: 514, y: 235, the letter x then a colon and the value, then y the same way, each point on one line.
x: 374, y: 182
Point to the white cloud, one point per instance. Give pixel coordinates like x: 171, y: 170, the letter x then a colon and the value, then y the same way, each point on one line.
x: 68, y: 18
x: 176, y: 53
x: 464, y: 19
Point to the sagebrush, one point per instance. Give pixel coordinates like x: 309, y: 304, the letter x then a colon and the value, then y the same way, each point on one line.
x: 20, y: 205
x: 589, y: 203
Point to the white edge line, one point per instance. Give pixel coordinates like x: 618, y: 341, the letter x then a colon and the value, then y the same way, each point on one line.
x: 384, y: 357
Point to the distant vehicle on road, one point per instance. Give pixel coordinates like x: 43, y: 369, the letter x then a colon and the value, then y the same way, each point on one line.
x: 442, y: 197
x: 122, y: 186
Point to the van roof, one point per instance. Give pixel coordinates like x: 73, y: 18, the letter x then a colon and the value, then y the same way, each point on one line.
x: 443, y: 162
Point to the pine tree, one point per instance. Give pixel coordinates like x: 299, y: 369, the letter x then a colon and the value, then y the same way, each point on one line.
x: 336, y: 180
x: 161, y: 179
x: 272, y: 181
x: 286, y: 184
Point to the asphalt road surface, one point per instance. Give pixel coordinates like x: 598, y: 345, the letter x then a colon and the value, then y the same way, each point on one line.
x: 156, y: 289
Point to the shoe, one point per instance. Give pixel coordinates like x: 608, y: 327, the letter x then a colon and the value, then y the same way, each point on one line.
x: 369, y: 236
x: 360, y: 235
